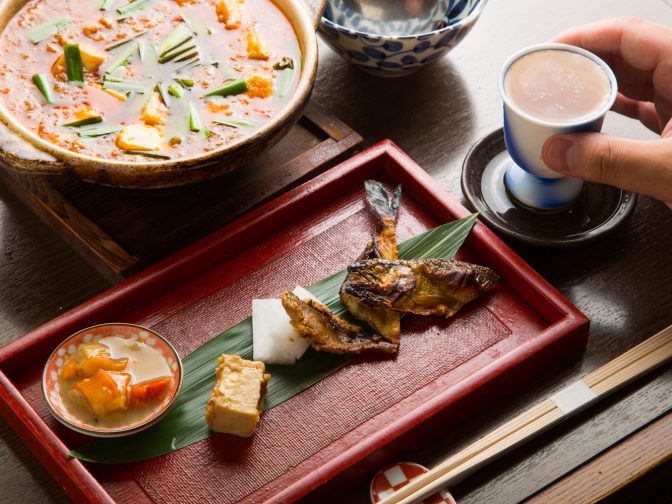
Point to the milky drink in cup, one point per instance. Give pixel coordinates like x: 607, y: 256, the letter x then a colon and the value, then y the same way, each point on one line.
x: 550, y: 89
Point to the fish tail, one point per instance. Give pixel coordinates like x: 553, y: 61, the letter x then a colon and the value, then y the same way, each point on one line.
x: 380, y: 200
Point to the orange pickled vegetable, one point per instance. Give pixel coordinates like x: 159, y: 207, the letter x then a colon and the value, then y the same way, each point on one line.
x: 105, y: 391
x: 150, y: 391
x: 90, y: 366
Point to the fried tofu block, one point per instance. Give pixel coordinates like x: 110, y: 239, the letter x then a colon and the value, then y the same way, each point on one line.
x: 92, y: 58
x: 256, y: 49
x: 236, y: 403
x: 229, y: 13
x: 259, y: 84
x: 139, y: 137
x: 86, y: 112
x: 154, y: 112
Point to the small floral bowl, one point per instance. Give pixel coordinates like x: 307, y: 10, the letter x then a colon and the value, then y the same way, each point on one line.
x: 393, y: 48
x: 51, y: 388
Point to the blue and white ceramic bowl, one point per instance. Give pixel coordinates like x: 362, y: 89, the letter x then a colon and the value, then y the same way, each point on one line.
x: 396, y: 47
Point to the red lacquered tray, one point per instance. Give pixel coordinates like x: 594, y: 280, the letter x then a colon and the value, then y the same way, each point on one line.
x: 340, y: 431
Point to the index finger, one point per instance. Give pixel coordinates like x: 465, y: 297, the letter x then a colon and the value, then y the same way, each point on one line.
x: 641, y: 44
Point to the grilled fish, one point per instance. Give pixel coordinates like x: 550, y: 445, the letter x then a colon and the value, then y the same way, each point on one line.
x: 329, y: 333
x: 384, y: 246
x: 385, y: 321
x: 425, y: 287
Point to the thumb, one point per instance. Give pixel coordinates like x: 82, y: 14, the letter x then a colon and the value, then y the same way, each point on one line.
x: 634, y: 165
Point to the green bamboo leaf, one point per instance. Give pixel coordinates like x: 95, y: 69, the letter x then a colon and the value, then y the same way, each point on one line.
x: 185, y: 424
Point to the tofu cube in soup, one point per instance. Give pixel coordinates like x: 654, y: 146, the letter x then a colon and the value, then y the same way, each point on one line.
x: 154, y: 112
x: 139, y: 137
x: 236, y: 403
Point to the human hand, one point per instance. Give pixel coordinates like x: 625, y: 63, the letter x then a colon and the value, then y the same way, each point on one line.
x: 640, y: 54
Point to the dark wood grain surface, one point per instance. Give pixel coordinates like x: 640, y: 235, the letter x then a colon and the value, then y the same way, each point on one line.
x: 623, y: 284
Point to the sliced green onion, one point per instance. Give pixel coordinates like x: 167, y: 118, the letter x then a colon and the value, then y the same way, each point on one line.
x: 237, y: 87
x: 100, y: 131
x: 148, y: 57
x: 131, y: 7
x: 162, y: 93
x: 188, y: 65
x: 185, y: 82
x: 149, y: 154
x: 106, y: 4
x: 48, y: 29
x: 177, y: 52
x: 85, y: 122
x: 73, y: 63
x: 188, y: 57
x: 177, y: 37
x: 123, y: 58
x: 196, y: 25
x: 126, y: 85
x: 139, y: 103
x: 285, y: 62
x: 205, y: 132
x: 125, y: 41
x: 285, y: 80
x: 195, y: 123
x: 175, y: 90
x: 230, y: 121
x: 44, y: 86
x: 177, y: 127
x: 226, y: 71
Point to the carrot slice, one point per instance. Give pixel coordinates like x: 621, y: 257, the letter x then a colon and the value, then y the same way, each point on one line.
x: 150, y: 391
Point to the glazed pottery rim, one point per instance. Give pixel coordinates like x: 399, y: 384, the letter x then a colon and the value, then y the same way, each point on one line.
x: 477, y: 9
x: 122, y: 431
x: 300, y: 19
x: 550, y: 46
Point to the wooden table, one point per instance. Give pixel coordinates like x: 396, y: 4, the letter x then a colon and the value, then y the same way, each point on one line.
x: 623, y: 283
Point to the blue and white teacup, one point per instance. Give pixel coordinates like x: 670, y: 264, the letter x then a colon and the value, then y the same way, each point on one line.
x: 528, y: 178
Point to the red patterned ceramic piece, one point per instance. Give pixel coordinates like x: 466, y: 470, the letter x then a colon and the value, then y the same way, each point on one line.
x: 51, y: 387
x: 395, y: 476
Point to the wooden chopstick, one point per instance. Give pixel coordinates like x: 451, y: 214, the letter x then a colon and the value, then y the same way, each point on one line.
x: 614, y: 375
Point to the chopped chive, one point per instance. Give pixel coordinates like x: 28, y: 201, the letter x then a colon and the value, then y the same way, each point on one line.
x: 195, y: 123
x: 133, y: 6
x: 185, y: 82
x: 162, y: 93
x: 196, y: 25
x: 285, y: 62
x: 237, y: 87
x: 84, y: 122
x: 48, y: 29
x: 100, y: 131
x: 188, y: 57
x: 126, y: 86
x: 285, y: 80
x: 177, y: 37
x: 150, y: 154
x: 106, y: 4
x: 73, y: 62
x: 123, y: 58
x: 175, y: 90
x: 125, y: 41
x: 226, y: 71
x: 44, y: 86
x: 188, y: 65
x: 230, y: 121
x: 177, y: 52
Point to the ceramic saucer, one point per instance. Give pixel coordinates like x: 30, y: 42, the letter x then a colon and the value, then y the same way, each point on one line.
x: 598, y: 210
